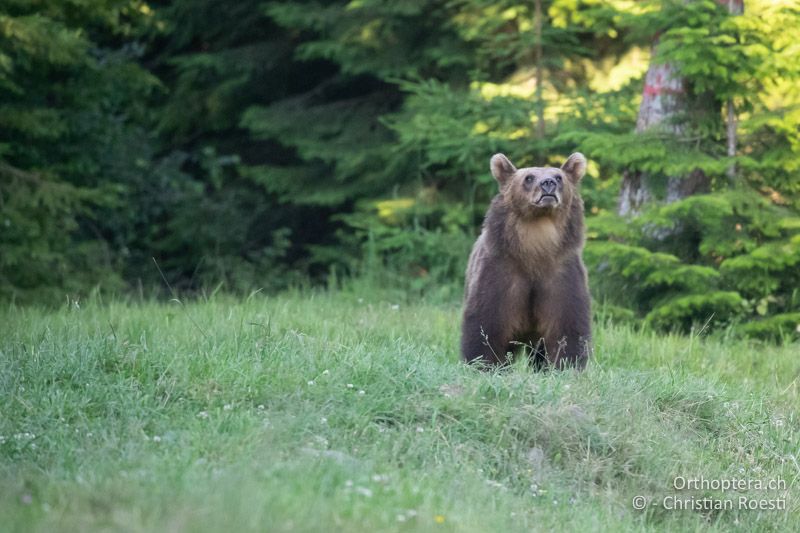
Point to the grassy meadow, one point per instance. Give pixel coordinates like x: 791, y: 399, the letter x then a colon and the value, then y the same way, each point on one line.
x: 319, y: 411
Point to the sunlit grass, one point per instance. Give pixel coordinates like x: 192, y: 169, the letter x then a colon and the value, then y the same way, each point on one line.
x: 346, y: 411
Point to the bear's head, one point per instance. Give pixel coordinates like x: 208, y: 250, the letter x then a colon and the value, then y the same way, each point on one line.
x: 539, y: 191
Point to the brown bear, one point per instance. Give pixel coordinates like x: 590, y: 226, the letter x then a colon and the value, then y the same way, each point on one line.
x: 525, y: 282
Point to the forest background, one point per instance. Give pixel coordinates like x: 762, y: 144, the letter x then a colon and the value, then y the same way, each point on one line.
x: 249, y: 145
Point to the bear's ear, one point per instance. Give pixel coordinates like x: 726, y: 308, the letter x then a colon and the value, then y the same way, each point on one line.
x: 502, y: 168
x: 575, y: 167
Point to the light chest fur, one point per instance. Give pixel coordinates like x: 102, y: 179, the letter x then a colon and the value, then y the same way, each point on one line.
x: 537, y: 239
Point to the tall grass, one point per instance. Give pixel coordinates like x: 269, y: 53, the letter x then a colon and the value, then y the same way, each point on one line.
x: 350, y: 411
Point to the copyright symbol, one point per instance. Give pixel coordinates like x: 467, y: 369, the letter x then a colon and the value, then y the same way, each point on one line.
x: 639, y: 502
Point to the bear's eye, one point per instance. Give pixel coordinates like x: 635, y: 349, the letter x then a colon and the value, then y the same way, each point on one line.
x: 560, y: 178
x: 528, y: 179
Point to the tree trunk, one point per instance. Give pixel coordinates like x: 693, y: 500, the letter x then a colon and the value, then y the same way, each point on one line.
x: 537, y: 17
x: 665, y: 97
x: 731, y: 134
x: 735, y: 7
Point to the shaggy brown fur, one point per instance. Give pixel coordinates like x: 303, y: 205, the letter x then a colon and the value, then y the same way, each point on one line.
x: 526, y: 283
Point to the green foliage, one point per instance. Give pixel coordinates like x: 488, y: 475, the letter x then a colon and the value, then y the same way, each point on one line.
x: 71, y: 97
x: 655, y: 153
x: 341, y: 159
x: 731, y: 56
x: 777, y: 327
x: 420, y: 244
x: 380, y: 38
x: 724, y: 257
x: 684, y: 310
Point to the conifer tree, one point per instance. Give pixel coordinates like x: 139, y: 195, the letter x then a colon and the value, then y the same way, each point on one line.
x: 70, y: 93
x: 697, y: 258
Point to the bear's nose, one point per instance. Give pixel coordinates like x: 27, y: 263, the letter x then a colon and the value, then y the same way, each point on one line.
x: 548, y: 186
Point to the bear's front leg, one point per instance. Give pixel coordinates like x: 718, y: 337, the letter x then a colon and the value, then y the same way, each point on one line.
x: 484, y: 339
x: 565, y: 315
x: 567, y: 349
x: 490, y: 306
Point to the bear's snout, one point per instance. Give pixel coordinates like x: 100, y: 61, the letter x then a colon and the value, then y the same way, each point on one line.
x: 546, y: 194
x: 548, y: 186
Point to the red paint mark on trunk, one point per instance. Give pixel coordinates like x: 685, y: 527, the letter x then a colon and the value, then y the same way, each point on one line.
x: 654, y: 90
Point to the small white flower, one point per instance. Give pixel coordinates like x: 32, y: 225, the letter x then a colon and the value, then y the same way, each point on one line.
x: 323, y: 420
x: 395, y: 307
x: 420, y: 429
x: 349, y: 385
x: 362, y: 392
x: 401, y: 518
x: 156, y: 438
x: 311, y: 382
x: 261, y: 407
x: 348, y: 483
x: 326, y: 372
x: 227, y: 407
x: 364, y: 491
x: 778, y: 422
x: 202, y: 414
